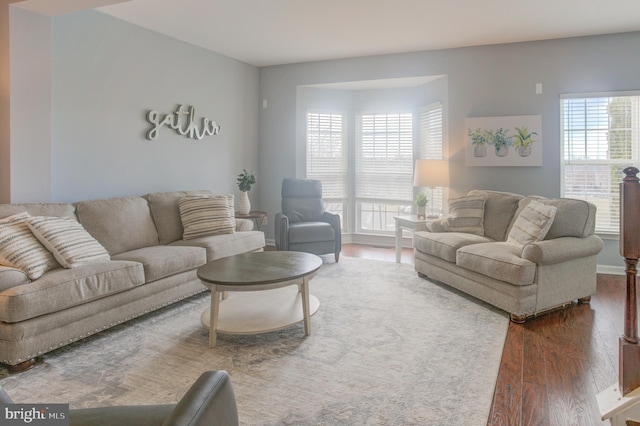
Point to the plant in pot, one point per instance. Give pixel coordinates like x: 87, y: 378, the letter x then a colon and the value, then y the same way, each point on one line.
x: 501, y: 141
x: 523, y: 140
x: 478, y: 140
x: 421, y: 201
x: 245, y: 181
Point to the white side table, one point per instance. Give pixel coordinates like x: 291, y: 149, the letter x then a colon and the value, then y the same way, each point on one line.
x: 407, y: 222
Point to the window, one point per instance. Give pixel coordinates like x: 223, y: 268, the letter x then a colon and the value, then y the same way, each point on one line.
x: 431, y: 148
x: 600, y: 137
x: 384, y: 170
x: 326, y: 158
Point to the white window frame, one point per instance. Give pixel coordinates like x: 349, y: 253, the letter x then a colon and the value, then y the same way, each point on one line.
x: 607, y: 220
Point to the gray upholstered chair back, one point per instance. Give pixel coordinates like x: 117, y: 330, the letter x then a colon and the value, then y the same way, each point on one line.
x: 302, y: 199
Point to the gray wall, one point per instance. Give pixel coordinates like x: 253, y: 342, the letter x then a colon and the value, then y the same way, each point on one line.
x: 105, y: 75
x: 482, y: 82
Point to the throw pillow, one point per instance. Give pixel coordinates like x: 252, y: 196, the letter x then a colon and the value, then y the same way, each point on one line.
x: 20, y: 249
x: 466, y: 214
x: 204, y: 216
x: 67, y: 239
x: 232, y: 210
x: 532, y: 224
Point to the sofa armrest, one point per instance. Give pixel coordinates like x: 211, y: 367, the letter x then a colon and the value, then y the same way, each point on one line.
x: 12, y: 277
x: 436, y: 226
x: 334, y: 220
x: 282, y: 232
x: 562, y: 249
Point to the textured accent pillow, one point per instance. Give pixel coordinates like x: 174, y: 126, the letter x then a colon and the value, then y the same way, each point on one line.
x: 67, y: 239
x: 532, y: 224
x: 204, y: 216
x: 20, y: 249
x: 466, y: 214
x: 232, y: 210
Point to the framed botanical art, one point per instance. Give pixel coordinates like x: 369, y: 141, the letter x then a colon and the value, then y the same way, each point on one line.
x: 504, y: 141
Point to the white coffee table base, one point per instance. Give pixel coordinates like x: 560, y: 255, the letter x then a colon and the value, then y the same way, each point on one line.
x: 254, y: 312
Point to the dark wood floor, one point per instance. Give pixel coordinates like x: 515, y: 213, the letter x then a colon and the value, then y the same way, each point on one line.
x: 552, y: 366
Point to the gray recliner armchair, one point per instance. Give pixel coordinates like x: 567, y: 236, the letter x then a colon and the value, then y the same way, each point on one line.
x: 209, y: 401
x: 303, y: 224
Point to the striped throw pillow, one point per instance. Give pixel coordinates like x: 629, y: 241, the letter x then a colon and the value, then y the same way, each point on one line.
x: 204, y: 216
x: 532, y: 224
x: 466, y: 214
x: 67, y: 239
x: 20, y: 249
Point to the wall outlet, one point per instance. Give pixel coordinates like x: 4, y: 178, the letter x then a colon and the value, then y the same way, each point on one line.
x: 264, y: 221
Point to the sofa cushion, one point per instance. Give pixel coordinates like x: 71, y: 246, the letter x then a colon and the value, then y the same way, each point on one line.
x: 499, y: 211
x: 498, y: 260
x: 532, y: 224
x: 444, y: 245
x: 11, y: 277
x: 70, y: 243
x: 224, y: 245
x: 574, y: 218
x: 62, y: 288
x: 119, y: 224
x: 20, y: 249
x: 166, y: 213
x: 163, y: 261
x: 466, y: 214
x: 204, y: 216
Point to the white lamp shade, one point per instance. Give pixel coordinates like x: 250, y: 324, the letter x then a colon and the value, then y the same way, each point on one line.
x: 431, y: 173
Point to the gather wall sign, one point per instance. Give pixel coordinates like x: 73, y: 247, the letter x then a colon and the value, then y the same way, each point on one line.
x: 183, y: 122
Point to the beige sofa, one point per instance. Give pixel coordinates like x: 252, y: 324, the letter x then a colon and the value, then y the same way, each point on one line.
x: 524, y: 281
x: 151, y: 267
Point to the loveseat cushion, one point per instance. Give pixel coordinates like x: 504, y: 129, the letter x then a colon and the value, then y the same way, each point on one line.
x: 166, y: 213
x: 62, y: 288
x: 163, y: 261
x: 445, y: 245
x: 11, y: 277
x: 498, y: 260
x: 39, y: 209
x: 224, y: 245
x: 499, y: 210
x: 119, y: 224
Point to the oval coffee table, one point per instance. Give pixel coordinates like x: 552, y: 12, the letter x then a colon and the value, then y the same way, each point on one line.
x: 255, y: 311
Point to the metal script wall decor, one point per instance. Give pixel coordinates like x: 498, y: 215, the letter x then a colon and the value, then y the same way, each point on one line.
x: 181, y: 121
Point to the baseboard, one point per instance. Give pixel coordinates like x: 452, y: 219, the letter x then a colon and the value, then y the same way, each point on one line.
x: 611, y: 270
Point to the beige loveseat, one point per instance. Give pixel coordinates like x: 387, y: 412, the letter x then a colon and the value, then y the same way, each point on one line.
x: 150, y: 267
x: 522, y: 280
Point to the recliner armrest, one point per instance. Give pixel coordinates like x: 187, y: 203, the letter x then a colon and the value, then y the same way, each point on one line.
x: 334, y: 220
x: 558, y: 250
x: 210, y: 401
x: 282, y: 232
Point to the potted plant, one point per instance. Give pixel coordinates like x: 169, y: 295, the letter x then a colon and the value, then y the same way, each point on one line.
x: 523, y: 140
x: 245, y: 181
x: 478, y: 140
x: 501, y: 141
x: 421, y: 201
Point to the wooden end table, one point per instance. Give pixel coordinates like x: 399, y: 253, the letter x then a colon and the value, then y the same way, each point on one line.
x: 256, y: 215
x: 254, y: 311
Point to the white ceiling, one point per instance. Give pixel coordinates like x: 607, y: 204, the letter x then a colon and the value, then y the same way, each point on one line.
x: 271, y: 32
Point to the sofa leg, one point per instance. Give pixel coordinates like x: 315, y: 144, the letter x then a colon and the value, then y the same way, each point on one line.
x: 421, y: 275
x: 23, y: 366
x: 337, y: 256
x: 518, y: 319
x: 584, y: 300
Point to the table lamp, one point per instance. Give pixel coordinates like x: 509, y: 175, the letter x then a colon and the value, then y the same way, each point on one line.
x: 432, y: 174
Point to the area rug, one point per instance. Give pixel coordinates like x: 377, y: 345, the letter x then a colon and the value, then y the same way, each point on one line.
x: 386, y: 348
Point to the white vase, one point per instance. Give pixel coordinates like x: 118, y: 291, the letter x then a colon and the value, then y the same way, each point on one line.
x: 244, y: 205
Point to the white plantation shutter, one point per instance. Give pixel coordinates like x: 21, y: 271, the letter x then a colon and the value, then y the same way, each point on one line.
x: 384, y: 157
x: 326, y: 153
x: 431, y: 132
x: 600, y: 137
